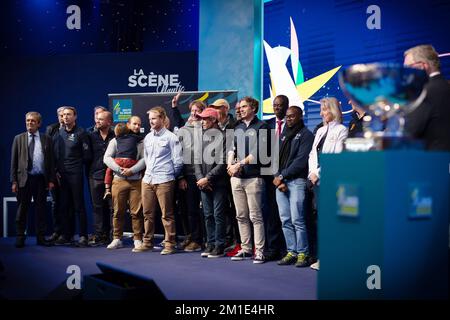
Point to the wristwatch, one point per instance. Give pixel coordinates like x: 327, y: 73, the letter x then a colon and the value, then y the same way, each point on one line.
x: 281, y: 177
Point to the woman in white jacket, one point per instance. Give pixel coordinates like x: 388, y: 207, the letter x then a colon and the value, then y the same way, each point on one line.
x: 329, y: 139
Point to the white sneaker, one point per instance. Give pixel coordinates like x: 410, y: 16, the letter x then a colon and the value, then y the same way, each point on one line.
x: 137, y: 243
x: 259, y: 258
x: 315, y: 265
x: 115, y: 244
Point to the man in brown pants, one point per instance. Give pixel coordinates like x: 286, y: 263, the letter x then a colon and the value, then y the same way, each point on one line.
x: 163, y: 160
x: 126, y: 187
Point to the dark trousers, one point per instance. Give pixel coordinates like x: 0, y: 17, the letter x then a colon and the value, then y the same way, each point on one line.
x: 181, y: 218
x: 275, y: 242
x: 192, y: 208
x: 56, y: 216
x: 231, y: 225
x: 214, y: 214
x: 72, y: 197
x: 36, y: 188
x: 311, y: 200
x: 101, y: 208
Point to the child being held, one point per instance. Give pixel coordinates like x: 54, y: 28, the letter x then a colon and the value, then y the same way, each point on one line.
x: 126, y: 153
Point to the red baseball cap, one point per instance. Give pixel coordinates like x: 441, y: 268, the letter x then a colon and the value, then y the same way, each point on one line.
x: 209, y: 112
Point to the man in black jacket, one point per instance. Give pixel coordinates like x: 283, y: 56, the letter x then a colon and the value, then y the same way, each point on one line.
x: 290, y: 182
x: 99, y: 138
x: 431, y: 120
x: 32, y: 175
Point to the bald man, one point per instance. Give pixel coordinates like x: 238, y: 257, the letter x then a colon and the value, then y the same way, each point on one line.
x: 99, y: 139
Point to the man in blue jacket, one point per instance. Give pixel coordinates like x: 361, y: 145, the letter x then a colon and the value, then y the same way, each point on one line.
x: 296, y: 143
x: 72, y: 150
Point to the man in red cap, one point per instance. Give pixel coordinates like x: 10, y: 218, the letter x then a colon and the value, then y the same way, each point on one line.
x: 228, y: 122
x: 211, y: 172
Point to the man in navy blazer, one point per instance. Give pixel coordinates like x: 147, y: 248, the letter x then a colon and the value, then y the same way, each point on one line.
x: 32, y: 174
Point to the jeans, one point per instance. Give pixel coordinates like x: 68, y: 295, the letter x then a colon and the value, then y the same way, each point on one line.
x: 214, y: 204
x: 291, y: 205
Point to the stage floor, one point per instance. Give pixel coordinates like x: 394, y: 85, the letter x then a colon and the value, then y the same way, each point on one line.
x: 34, y: 271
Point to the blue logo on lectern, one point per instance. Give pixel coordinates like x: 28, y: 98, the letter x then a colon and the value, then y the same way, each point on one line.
x: 122, y: 110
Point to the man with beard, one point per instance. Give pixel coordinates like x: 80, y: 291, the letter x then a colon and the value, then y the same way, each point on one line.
x: 99, y: 140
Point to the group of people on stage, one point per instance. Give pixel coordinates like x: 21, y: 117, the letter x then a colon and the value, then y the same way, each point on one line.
x: 231, y: 202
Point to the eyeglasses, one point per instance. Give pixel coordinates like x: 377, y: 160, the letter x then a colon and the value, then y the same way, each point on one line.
x: 277, y: 104
x: 290, y: 116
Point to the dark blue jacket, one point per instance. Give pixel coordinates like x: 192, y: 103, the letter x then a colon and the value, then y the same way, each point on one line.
x: 127, y: 146
x: 297, y: 164
x: 252, y: 170
x: 72, y: 150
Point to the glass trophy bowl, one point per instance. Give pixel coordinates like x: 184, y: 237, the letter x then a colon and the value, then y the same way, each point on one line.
x: 387, y: 92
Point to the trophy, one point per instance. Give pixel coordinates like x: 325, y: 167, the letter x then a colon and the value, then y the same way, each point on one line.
x: 387, y: 92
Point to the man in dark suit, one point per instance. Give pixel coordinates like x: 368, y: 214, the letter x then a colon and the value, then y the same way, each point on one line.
x: 430, y: 121
x: 275, y: 243
x: 31, y: 176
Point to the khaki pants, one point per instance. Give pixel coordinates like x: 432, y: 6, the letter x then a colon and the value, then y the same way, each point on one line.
x: 123, y: 192
x: 247, y: 196
x: 164, y: 194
